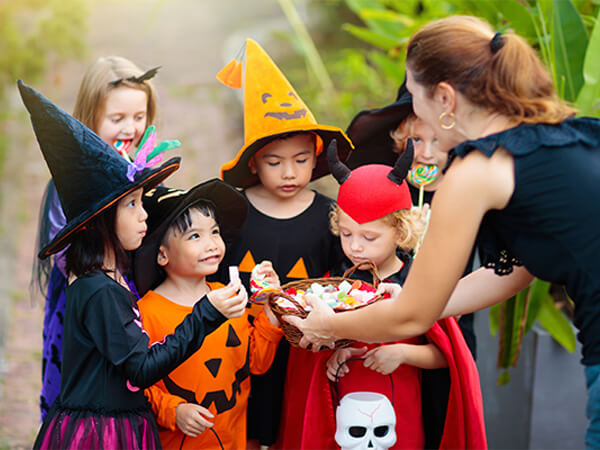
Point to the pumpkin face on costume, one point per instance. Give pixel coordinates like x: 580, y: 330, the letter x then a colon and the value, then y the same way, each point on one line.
x: 214, y: 384
x: 292, y: 107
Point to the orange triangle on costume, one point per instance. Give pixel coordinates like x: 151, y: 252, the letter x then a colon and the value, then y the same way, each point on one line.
x: 247, y: 263
x: 298, y: 271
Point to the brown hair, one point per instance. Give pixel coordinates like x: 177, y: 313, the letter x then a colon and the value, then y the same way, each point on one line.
x: 407, y: 221
x: 511, y: 81
x: 95, y: 87
x: 402, y: 132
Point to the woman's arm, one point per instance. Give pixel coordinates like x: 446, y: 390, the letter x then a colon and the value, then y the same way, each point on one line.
x: 483, y: 288
x: 472, y: 186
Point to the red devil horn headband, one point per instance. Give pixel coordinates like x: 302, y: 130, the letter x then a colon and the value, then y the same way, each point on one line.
x: 403, y: 163
x: 341, y: 172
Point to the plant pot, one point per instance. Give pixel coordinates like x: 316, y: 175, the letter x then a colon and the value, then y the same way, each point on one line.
x: 543, y: 404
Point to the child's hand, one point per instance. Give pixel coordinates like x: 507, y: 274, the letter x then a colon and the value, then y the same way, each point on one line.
x: 190, y: 419
x: 390, y: 289
x: 265, y: 272
x: 384, y: 359
x: 338, y: 357
x: 271, y: 316
x: 230, y: 300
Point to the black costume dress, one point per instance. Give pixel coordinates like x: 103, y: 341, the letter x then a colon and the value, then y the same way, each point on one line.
x: 299, y: 247
x: 551, y: 224
x: 107, y: 365
x: 435, y: 384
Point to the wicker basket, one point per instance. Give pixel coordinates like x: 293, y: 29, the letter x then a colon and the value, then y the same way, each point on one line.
x: 293, y: 334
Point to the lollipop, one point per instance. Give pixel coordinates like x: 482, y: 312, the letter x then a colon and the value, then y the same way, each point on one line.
x: 422, y: 175
x: 122, y: 147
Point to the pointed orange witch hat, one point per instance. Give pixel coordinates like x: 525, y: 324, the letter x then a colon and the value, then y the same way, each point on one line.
x: 272, y: 108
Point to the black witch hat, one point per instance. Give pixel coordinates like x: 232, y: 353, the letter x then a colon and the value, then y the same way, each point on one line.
x: 164, y: 205
x: 89, y: 175
x: 370, y: 131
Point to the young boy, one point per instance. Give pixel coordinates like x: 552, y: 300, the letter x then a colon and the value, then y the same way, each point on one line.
x: 185, y: 244
x: 287, y: 222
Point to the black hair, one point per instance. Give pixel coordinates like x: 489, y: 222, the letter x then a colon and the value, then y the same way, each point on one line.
x: 291, y: 134
x: 183, y: 221
x: 86, y: 252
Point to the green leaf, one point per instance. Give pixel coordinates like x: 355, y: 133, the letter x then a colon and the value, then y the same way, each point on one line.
x: 511, y: 329
x: 570, y: 42
x: 385, y: 22
x: 391, y: 69
x: 503, y: 378
x: 538, y: 294
x: 588, y: 100
x: 495, y: 312
x: 555, y: 323
x: 371, y: 37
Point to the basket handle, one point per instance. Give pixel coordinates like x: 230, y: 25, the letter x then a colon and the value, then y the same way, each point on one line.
x: 300, y: 309
x: 372, y: 269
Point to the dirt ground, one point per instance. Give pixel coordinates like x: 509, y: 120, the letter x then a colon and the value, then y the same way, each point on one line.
x: 191, y: 40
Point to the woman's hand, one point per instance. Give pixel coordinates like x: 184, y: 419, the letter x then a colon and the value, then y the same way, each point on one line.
x: 315, y: 327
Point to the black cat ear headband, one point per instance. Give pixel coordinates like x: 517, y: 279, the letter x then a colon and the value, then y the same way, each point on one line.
x: 148, y: 75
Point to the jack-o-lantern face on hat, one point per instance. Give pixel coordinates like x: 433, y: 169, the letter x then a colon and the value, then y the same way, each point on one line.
x: 291, y: 109
x: 272, y: 108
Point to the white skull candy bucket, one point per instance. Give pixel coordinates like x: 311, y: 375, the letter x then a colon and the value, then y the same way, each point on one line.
x: 365, y: 420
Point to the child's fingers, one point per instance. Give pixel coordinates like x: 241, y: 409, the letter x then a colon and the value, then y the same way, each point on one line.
x: 392, y: 289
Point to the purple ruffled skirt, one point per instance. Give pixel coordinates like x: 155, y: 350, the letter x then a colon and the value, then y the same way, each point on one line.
x: 82, y: 430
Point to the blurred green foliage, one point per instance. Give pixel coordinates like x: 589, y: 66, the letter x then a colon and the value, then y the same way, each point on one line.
x: 33, y: 35
x: 363, y: 44
x: 367, y: 72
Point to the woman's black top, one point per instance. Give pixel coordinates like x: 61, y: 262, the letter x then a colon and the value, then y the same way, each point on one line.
x: 551, y: 224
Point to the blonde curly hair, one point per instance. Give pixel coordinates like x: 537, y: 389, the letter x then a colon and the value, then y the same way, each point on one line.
x: 409, y: 223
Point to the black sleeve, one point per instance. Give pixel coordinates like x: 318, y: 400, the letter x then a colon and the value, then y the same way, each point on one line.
x: 115, y: 327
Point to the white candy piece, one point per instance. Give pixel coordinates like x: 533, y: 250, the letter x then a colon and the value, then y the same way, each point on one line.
x: 234, y: 274
x: 317, y: 288
x: 345, y: 286
x: 254, y: 275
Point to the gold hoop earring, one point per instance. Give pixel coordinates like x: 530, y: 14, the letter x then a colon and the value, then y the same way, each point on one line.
x: 450, y: 116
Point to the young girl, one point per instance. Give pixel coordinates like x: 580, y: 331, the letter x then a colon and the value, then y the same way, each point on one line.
x: 117, y: 101
x: 375, y: 223
x: 107, y: 362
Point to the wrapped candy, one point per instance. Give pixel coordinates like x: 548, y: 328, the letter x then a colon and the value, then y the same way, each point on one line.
x: 259, y: 287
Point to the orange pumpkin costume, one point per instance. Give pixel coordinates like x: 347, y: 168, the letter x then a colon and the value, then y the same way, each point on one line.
x: 217, y: 376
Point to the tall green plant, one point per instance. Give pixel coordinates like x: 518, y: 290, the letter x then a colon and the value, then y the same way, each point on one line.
x: 559, y: 29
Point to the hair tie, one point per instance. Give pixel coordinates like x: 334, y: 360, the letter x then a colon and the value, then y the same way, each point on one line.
x: 497, y: 42
x: 147, y: 75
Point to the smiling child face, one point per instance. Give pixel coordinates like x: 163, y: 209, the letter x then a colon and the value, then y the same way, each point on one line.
x: 195, y: 252
x: 124, y: 117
